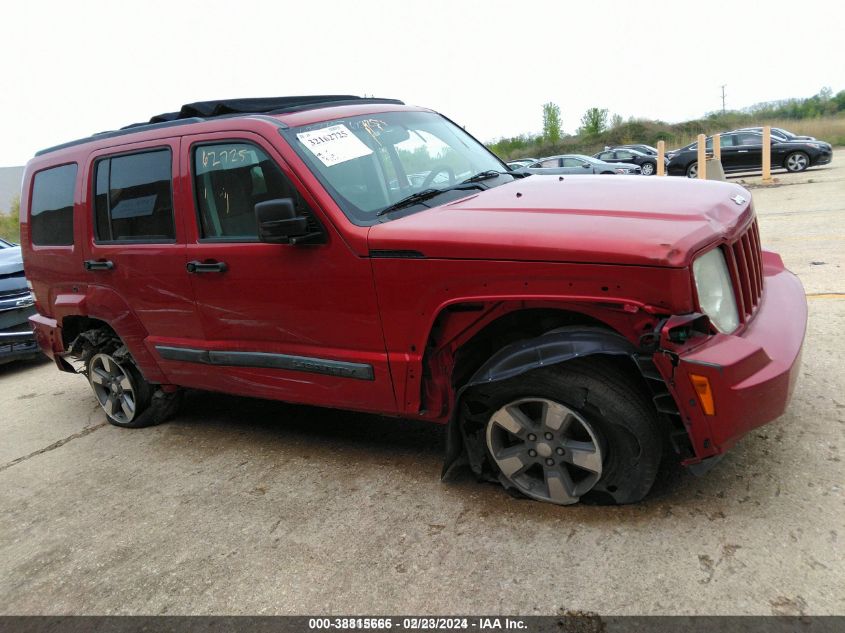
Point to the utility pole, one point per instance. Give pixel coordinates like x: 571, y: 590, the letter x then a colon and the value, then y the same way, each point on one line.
x: 723, y: 98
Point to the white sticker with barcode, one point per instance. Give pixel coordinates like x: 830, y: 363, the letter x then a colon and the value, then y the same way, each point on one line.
x: 334, y: 144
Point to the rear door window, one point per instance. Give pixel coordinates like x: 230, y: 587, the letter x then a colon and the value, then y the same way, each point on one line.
x: 749, y: 139
x: 134, y: 200
x: 51, y: 209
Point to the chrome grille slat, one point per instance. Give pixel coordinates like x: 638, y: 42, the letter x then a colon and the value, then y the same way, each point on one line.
x: 745, y: 262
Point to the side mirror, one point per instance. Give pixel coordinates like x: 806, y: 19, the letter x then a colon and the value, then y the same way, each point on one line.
x: 278, y: 222
x: 586, y: 165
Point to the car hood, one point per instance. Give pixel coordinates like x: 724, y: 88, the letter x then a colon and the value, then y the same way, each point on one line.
x: 621, y: 220
x: 11, y: 260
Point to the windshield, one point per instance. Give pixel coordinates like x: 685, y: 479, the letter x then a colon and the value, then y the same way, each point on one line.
x: 369, y: 163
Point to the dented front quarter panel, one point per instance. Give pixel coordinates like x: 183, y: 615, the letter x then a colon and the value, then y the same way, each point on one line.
x: 413, y: 293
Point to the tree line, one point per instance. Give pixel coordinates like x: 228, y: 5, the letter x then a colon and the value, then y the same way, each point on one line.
x: 598, y: 128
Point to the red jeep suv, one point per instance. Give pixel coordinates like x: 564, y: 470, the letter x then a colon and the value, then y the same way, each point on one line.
x: 572, y: 332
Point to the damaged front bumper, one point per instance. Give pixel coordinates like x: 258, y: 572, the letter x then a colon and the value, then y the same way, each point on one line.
x: 751, y: 373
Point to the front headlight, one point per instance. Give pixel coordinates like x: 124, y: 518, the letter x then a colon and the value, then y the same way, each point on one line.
x: 715, y: 292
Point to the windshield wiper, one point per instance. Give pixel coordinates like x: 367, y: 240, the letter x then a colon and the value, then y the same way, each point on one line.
x: 426, y: 194
x: 485, y: 175
x: 419, y: 196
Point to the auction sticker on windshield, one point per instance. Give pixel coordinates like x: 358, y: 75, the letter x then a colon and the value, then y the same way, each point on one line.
x: 334, y: 144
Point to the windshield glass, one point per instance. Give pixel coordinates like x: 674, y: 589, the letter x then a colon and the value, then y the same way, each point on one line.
x: 368, y: 163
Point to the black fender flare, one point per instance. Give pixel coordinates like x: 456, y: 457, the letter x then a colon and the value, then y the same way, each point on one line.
x: 553, y: 347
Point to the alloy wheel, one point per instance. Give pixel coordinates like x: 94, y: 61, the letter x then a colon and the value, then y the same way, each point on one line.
x: 113, y: 387
x: 545, y: 449
x: 647, y: 169
x: 692, y: 171
x: 796, y: 162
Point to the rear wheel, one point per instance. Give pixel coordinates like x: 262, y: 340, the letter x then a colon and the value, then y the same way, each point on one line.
x: 692, y: 170
x: 127, y: 399
x: 580, y: 431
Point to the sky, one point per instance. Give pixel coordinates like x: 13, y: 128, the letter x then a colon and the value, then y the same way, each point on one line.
x: 70, y: 69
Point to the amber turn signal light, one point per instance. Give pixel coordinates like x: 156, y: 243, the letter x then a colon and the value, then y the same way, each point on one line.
x: 705, y: 394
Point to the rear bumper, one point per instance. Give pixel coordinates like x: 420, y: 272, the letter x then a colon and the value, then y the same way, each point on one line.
x: 48, y: 336
x: 752, y: 374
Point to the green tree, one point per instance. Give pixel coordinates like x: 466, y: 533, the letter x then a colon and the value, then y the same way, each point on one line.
x: 551, y: 122
x: 9, y: 227
x: 594, y: 122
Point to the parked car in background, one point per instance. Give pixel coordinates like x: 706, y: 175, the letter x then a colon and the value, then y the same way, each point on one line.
x: 645, y: 149
x: 579, y: 164
x: 743, y: 151
x: 521, y: 162
x: 17, y: 342
x: 646, y: 162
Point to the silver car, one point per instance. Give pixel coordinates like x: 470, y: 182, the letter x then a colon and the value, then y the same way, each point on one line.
x: 579, y: 164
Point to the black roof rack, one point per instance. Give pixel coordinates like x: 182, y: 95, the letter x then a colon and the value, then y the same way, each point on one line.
x: 203, y: 110
x: 265, y: 105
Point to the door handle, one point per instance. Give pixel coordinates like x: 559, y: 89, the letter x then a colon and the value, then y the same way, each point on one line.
x: 742, y: 151
x: 102, y: 264
x: 206, y: 267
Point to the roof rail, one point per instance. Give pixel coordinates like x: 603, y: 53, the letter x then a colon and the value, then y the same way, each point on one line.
x: 203, y: 110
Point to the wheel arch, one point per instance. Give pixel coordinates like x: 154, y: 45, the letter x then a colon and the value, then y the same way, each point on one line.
x: 102, y: 307
x: 573, y: 334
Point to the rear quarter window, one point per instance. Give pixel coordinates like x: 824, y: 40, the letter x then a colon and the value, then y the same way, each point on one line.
x: 51, y: 207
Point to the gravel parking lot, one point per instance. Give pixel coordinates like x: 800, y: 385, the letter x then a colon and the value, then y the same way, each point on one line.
x: 242, y: 506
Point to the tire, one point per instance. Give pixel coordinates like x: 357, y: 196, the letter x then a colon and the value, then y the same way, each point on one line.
x: 608, y: 445
x: 607, y: 172
x: 648, y: 169
x: 127, y: 399
x: 796, y: 161
x: 692, y: 170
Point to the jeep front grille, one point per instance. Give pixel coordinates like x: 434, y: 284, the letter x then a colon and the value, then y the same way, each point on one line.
x: 745, y: 262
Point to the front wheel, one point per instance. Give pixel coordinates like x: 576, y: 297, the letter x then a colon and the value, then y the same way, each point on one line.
x: 648, y: 168
x: 797, y: 161
x: 580, y: 431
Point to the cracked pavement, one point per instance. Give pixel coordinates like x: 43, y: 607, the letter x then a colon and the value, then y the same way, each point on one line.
x: 243, y: 506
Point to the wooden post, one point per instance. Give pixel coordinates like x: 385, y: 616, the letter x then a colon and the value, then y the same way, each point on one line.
x: 661, y: 160
x: 702, y: 156
x: 717, y: 146
x: 767, y: 155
